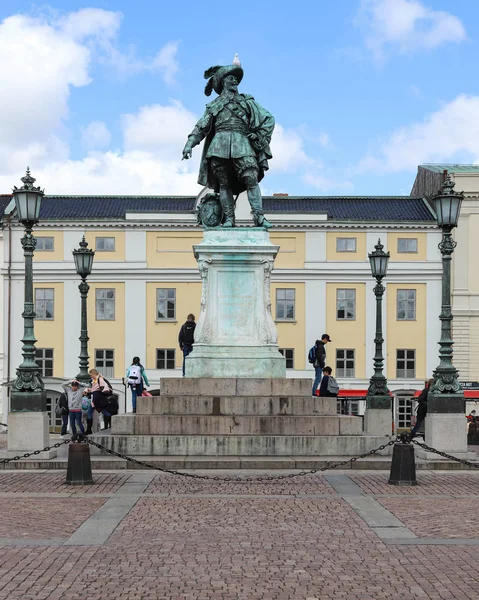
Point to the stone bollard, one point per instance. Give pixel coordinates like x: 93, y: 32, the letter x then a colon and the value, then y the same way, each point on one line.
x: 79, y: 464
x: 403, y: 465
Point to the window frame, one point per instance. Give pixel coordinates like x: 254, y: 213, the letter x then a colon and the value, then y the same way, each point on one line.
x: 44, y: 238
x: 102, y: 369
x: 346, y: 240
x: 43, y: 359
x: 407, y: 240
x: 103, y: 238
x: 165, y: 359
x: 405, y: 360
x: 285, y: 352
x: 283, y: 302
x: 112, y: 300
x: 40, y: 315
x: 346, y: 301
x: 166, y: 300
x: 406, y: 302
x: 343, y: 371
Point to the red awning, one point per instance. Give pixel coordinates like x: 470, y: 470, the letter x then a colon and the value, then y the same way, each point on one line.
x: 354, y: 393
x: 468, y: 394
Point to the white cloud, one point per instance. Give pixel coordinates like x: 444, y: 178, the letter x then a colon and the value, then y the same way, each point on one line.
x: 96, y: 135
x: 166, y: 62
x: 407, y: 26
x: 323, y: 183
x: 287, y: 147
x: 160, y: 129
x: 440, y: 137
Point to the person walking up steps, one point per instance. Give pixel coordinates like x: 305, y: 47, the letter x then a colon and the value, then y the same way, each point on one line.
x: 135, y: 376
x: 186, y: 337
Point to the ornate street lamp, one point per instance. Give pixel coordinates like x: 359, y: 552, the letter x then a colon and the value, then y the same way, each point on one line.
x: 27, y: 389
x: 446, y: 384
x: 378, y: 393
x: 83, y: 262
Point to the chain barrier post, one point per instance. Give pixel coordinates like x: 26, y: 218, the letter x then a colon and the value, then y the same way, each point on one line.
x: 403, y: 465
x: 79, y: 464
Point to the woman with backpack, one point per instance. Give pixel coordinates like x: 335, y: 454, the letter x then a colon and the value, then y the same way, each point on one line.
x: 135, y: 376
x: 100, y: 391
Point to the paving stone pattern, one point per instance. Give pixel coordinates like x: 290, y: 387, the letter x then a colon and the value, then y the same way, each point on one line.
x: 456, y: 519
x: 141, y: 536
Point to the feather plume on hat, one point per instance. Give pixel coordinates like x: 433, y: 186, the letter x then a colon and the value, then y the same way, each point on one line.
x: 209, y: 73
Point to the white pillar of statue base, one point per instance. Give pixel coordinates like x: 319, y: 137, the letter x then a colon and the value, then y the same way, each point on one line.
x: 235, y: 335
x: 377, y: 421
x: 29, y: 431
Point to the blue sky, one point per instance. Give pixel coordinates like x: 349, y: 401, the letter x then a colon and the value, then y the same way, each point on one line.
x: 100, y: 97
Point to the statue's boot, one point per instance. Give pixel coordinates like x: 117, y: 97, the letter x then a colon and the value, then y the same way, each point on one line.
x: 228, y: 205
x: 256, y: 202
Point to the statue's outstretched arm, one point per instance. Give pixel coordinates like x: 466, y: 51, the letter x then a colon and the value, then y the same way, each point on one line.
x: 199, y: 132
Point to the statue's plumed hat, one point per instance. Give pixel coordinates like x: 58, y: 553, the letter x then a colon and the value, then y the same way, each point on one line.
x: 215, y: 76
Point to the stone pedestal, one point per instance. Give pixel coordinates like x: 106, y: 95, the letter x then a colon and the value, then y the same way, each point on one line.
x: 235, y: 335
x: 377, y: 417
x: 27, y: 432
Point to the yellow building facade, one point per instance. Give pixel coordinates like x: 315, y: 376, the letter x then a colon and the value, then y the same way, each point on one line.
x: 145, y: 282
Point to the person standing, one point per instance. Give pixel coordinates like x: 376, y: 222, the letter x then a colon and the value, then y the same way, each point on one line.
x: 99, y: 393
x: 135, y: 376
x: 186, y: 337
x: 74, y: 393
x: 61, y: 410
x: 421, y: 410
x: 319, y: 361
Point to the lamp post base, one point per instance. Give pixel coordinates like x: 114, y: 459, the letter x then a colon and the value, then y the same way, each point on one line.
x: 377, y: 417
x: 28, y: 424
x: 446, y: 426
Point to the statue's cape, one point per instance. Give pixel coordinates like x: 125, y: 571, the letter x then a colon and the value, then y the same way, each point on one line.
x: 259, y: 121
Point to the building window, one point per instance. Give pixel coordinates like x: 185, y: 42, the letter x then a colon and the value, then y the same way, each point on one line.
x: 165, y: 358
x: 45, y: 244
x: 285, y: 301
x: 405, y: 364
x: 345, y: 362
x: 105, y: 362
x: 406, y: 305
x: 345, y: 305
x: 165, y: 303
x: 288, y: 353
x: 404, y: 408
x: 44, y: 303
x: 44, y: 360
x: 407, y: 245
x: 105, y: 304
x: 345, y: 244
x: 105, y: 244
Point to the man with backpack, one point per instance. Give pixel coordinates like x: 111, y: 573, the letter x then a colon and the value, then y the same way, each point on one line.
x: 329, y: 386
x: 317, y: 357
x: 186, y: 337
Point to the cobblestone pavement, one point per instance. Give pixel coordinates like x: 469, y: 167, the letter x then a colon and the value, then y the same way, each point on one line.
x: 138, y: 536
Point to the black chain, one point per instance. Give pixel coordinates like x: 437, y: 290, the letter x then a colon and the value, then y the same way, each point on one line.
x: 445, y: 455
x: 241, y: 479
x: 3, y: 424
x: 34, y: 453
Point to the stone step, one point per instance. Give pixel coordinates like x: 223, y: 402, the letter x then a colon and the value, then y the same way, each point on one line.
x: 231, y: 405
x: 107, y: 462
x: 185, y: 386
x: 241, y: 445
x: 138, y: 424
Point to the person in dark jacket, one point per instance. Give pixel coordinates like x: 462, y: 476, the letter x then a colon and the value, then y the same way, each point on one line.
x: 323, y: 389
x: 421, y: 408
x: 63, y: 411
x: 320, y: 361
x: 186, y: 337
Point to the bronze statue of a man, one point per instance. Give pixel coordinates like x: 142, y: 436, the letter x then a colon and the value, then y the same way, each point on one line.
x: 236, y: 152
